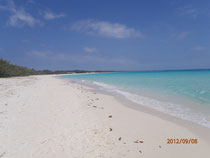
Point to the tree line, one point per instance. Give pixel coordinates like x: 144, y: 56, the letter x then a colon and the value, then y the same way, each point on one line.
x: 10, y: 70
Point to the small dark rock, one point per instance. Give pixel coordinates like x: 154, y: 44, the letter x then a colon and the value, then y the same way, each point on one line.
x: 138, y: 141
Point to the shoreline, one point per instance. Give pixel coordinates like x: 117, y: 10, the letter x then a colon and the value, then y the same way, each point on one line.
x: 49, y: 117
x: 193, y: 126
x: 180, y: 106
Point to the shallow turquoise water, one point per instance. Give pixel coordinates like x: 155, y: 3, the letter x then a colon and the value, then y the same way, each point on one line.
x: 182, y: 93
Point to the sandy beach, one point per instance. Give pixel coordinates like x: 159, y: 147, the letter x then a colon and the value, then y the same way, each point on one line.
x: 48, y: 117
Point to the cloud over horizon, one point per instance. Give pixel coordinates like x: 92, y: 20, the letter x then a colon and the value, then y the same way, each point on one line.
x: 105, y: 28
x: 83, y: 59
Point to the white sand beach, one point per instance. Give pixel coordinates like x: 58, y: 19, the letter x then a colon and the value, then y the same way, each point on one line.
x: 48, y: 117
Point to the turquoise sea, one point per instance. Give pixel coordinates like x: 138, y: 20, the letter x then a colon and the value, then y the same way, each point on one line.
x: 183, y: 94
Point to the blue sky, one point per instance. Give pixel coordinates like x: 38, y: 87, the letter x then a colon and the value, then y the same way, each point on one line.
x: 106, y: 34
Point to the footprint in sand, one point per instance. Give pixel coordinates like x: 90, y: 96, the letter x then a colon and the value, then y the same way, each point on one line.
x: 2, y: 154
x: 2, y: 112
x: 138, y: 141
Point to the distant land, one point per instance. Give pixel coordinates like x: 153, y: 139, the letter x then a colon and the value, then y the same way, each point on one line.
x: 10, y: 70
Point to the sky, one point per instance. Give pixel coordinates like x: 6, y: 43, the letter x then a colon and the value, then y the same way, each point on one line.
x: 106, y: 34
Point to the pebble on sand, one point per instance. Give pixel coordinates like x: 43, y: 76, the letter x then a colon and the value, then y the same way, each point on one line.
x: 138, y: 141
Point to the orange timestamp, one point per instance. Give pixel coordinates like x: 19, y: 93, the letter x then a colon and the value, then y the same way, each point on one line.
x: 182, y: 141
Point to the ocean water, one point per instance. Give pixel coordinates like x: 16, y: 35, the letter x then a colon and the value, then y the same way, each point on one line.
x: 183, y: 94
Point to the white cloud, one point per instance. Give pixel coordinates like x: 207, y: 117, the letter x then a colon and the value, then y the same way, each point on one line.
x: 3, y: 7
x: 188, y: 11
x: 90, y: 50
x: 48, y: 15
x: 30, y: 1
x: 50, y: 55
x: 181, y: 35
x: 19, y: 16
x: 104, y: 28
x: 41, y: 54
x: 25, y: 41
x: 82, y: 59
x: 199, y: 48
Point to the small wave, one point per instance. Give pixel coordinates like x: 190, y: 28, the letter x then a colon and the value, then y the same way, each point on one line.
x: 202, y: 92
x: 169, y: 108
x: 106, y: 86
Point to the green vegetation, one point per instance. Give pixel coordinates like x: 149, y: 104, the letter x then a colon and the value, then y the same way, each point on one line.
x: 10, y: 70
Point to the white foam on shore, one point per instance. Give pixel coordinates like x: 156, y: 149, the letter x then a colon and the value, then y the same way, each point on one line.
x: 176, y: 110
